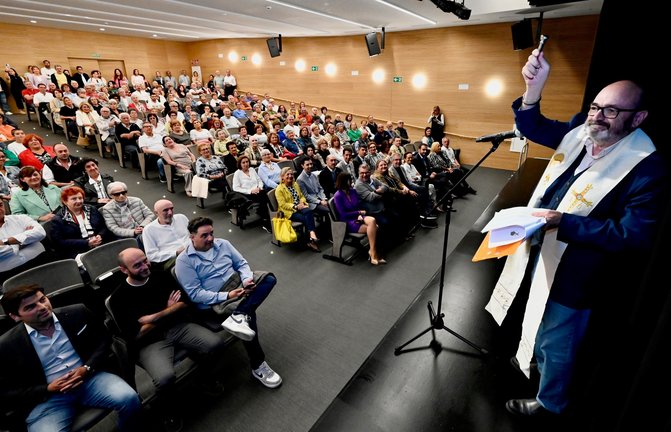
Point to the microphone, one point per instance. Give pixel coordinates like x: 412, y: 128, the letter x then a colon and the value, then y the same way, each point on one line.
x: 500, y: 136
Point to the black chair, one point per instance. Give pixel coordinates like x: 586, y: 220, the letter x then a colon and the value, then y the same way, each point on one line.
x: 61, y: 280
x: 239, y: 212
x: 101, y: 263
x: 345, y: 246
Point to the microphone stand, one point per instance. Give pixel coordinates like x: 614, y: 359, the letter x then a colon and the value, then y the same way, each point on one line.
x: 436, y: 318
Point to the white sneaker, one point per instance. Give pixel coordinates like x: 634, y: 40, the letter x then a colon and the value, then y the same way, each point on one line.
x: 267, y: 376
x: 8, y: 113
x: 237, y: 325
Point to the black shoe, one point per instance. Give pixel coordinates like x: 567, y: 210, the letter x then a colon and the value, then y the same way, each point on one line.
x: 428, y: 224
x: 173, y: 423
x: 162, y: 179
x: 526, y: 408
x: 472, y: 191
x: 428, y: 216
x: 312, y: 245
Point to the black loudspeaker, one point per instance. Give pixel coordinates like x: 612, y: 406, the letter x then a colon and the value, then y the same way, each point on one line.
x: 372, y: 44
x: 273, y: 47
x: 523, y: 36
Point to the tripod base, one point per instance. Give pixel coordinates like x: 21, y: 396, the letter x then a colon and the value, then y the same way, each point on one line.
x: 437, y: 323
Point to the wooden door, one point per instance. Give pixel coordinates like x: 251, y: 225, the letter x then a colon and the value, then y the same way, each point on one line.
x: 87, y: 64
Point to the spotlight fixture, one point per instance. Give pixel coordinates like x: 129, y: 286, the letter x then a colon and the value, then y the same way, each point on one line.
x: 451, y: 6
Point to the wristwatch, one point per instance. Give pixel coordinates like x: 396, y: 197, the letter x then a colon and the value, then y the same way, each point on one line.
x: 88, y: 368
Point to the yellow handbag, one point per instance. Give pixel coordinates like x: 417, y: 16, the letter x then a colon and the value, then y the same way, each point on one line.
x: 283, y: 230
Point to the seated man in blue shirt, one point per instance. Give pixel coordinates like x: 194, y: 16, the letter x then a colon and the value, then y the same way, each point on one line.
x: 53, y: 361
x: 213, y: 273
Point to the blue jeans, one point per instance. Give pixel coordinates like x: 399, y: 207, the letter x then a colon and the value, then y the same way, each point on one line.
x: 102, y: 390
x: 3, y: 102
x: 558, y: 338
x: 306, y: 217
x: 248, y: 307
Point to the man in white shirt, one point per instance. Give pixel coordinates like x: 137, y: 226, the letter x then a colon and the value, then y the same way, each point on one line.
x: 47, y: 69
x: 230, y: 84
x: 141, y: 93
x: 166, y: 236
x: 229, y: 121
x: 184, y: 79
x: 106, y: 123
x: 152, y: 144
x: 41, y: 101
x: 292, y: 126
x: 155, y: 103
x: 20, y: 247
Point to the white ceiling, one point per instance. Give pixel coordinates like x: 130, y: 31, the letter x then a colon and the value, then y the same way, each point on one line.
x: 191, y: 20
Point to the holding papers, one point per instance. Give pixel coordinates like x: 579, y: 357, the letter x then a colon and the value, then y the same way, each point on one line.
x: 513, y: 224
x: 507, y: 230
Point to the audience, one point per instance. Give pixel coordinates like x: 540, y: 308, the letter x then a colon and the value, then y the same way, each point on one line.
x: 125, y: 216
x: 291, y: 201
x: 64, y: 169
x: 212, y: 272
x: 211, y: 167
x: 312, y: 189
x: 77, y: 227
x: 181, y: 158
x: 328, y: 176
x: 94, y: 183
x: 37, y: 154
x: 53, y: 352
x: 154, y: 320
x: 36, y: 199
x: 165, y: 237
x: 20, y: 247
x: 9, y: 177
x: 350, y: 211
x: 268, y: 171
x: 247, y: 183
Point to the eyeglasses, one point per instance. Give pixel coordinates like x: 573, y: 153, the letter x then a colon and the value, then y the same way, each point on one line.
x: 116, y: 194
x: 608, y: 111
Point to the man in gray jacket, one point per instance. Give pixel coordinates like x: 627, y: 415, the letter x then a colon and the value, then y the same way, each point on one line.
x: 125, y: 216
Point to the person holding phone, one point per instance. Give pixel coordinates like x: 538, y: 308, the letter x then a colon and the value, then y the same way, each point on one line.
x: 201, y: 268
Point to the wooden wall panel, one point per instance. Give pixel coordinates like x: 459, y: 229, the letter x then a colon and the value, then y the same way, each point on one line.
x: 448, y: 57
x: 20, y: 49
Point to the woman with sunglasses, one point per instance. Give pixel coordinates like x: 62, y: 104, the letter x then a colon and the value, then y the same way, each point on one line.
x: 125, y: 216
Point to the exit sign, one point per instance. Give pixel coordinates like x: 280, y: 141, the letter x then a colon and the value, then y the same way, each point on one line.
x: 314, y: 68
x: 398, y: 79
x: 244, y: 58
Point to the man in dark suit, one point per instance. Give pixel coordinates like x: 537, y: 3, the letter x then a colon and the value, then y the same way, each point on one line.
x: 429, y: 175
x: 53, y: 361
x: 328, y: 175
x: 80, y: 77
x: 423, y: 198
x: 94, y: 183
x: 360, y: 158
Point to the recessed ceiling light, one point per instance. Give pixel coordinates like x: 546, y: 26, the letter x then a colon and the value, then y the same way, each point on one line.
x: 154, y: 35
x: 33, y: 21
x: 102, y: 29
